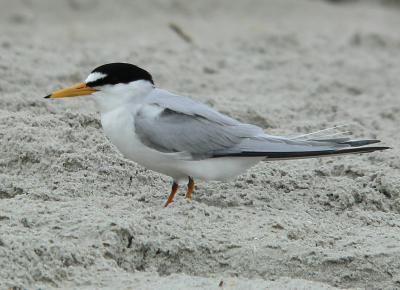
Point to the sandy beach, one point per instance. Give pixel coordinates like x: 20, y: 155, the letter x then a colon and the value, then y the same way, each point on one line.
x: 75, y: 214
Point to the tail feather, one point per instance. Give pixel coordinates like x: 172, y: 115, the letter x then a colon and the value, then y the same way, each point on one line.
x: 359, y: 143
x: 348, y: 141
x: 324, y: 133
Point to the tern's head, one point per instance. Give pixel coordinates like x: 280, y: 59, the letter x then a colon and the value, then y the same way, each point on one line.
x: 113, y: 81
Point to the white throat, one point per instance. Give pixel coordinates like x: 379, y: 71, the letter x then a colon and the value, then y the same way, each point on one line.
x: 110, y: 97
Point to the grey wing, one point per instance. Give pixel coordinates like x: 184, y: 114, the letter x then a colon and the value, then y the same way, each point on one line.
x: 190, y: 107
x: 174, y: 124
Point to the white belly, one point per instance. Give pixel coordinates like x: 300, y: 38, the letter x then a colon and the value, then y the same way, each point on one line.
x: 223, y: 168
x: 119, y: 127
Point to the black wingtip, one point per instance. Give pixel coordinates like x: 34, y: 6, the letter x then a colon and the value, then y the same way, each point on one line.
x: 305, y: 154
x: 47, y: 97
x: 385, y: 148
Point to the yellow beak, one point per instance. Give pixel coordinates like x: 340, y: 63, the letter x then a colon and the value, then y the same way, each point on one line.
x: 80, y: 89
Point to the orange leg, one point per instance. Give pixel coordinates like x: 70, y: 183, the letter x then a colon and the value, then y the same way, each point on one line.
x: 190, y: 188
x: 171, y: 196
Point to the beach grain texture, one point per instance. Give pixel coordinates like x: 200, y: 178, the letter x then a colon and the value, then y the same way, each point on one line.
x: 74, y: 214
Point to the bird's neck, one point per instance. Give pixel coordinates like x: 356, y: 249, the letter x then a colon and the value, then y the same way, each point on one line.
x: 115, y: 96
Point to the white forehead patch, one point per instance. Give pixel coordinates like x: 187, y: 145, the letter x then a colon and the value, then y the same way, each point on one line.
x: 94, y: 77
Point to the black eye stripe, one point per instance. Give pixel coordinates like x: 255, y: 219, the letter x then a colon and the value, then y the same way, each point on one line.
x: 119, y: 73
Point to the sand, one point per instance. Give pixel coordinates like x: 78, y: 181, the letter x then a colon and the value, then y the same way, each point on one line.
x: 74, y: 214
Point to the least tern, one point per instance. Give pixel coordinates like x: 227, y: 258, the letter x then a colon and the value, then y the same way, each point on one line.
x: 185, y: 139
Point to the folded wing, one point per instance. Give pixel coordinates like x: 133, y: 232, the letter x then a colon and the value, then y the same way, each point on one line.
x: 174, y: 124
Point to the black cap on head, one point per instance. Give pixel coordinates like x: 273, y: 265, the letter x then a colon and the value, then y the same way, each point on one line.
x: 117, y: 73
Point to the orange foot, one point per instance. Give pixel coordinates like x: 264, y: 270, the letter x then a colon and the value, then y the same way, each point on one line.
x: 171, y: 196
x: 190, y: 188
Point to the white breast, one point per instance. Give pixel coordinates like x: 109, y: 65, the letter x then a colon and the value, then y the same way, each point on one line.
x: 119, y: 127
